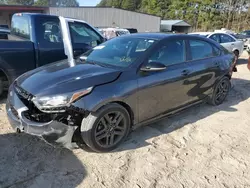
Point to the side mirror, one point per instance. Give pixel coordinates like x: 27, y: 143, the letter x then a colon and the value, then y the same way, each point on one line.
x: 153, y: 67
x: 83, y: 58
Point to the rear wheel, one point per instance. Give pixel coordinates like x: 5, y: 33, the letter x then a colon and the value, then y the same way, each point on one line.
x: 106, y: 129
x: 220, y: 92
x: 236, y: 53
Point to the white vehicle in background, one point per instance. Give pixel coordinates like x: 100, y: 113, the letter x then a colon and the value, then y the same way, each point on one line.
x: 110, y: 33
x: 226, y: 40
x: 224, y: 30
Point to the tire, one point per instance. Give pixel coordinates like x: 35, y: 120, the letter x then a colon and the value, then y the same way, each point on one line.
x: 236, y: 53
x: 1, y: 87
x: 222, y: 87
x: 102, y: 132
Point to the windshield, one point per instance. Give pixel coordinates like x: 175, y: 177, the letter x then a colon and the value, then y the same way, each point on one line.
x: 239, y: 36
x: 245, y: 33
x: 119, y: 52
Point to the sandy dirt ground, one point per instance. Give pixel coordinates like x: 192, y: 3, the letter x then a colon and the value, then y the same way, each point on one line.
x: 204, y: 146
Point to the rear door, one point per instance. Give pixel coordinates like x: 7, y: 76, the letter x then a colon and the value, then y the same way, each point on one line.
x: 228, y: 42
x: 83, y: 37
x: 49, y: 40
x: 203, y: 67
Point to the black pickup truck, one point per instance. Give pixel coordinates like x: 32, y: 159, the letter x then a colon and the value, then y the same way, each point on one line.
x: 39, y: 39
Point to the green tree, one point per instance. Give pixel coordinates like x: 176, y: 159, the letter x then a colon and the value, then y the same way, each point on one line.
x: 64, y: 3
x: 19, y: 2
x: 2, y: 2
x: 203, y: 15
x: 103, y: 3
x: 129, y: 4
x: 41, y: 3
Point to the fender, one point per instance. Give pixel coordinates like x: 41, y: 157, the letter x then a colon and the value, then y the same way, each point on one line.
x: 111, y: 93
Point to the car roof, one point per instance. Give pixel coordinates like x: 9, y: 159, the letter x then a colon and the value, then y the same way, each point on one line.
x: 160, y: 36
x: 33, y: 14
x: 156, y: 36
x: 201, y: 33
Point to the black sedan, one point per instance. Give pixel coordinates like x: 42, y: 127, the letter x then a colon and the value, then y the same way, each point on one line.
x: 111, y: 89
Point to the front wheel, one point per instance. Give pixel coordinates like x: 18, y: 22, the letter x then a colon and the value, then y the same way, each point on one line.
x: 104, y: 130
x: 220, y: 92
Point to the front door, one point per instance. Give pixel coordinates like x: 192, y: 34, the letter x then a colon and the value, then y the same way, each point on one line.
x: 159, y: 92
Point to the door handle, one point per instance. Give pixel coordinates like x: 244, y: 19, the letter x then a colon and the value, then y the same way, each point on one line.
x: 185, y: 72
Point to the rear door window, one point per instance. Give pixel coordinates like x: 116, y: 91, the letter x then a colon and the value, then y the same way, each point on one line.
x: 200, y: 49
x: 226, y: 38
x: 50, y: 33
x: 20, y: 26
x: 49, y: 39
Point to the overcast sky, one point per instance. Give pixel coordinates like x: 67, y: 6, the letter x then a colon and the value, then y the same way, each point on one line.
x: 88, y: 2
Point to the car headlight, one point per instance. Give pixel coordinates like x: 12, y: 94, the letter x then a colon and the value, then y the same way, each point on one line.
x: 59, y: 101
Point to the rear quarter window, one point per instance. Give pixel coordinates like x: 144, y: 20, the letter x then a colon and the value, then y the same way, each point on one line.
x: 200, y: 49
x: 20, y: 27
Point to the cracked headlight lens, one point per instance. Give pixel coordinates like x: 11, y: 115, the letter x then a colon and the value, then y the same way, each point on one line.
x: 62, y: 100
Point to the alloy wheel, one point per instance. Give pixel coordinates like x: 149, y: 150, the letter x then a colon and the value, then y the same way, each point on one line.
x: 110, y: 129
x: 222, y: 91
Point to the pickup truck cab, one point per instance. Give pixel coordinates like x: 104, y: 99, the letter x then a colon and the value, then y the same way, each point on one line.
x: 38, y: 39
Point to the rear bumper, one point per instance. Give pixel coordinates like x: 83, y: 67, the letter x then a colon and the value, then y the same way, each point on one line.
x: 53, y: 132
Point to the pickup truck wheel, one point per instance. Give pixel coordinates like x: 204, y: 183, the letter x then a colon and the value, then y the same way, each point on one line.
x: 220, y: 92
x: 104, y: 130
x: 1, y: 87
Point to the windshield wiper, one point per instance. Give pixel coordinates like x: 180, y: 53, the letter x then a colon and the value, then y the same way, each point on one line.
x: 83, y: 60
x: 93, y: 63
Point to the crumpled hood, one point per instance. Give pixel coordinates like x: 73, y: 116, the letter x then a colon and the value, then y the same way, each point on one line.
x: 61, y: 78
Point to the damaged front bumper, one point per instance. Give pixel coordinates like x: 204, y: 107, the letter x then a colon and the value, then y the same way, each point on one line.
x: 53, y: 131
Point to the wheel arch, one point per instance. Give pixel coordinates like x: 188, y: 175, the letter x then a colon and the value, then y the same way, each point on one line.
x: 228, y: 75
x: 4, y: 74
x: 123, y: 104
x: 222, y: 76
x: 128, y: 108
x: 236, y: 50
x: 7, y: 71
